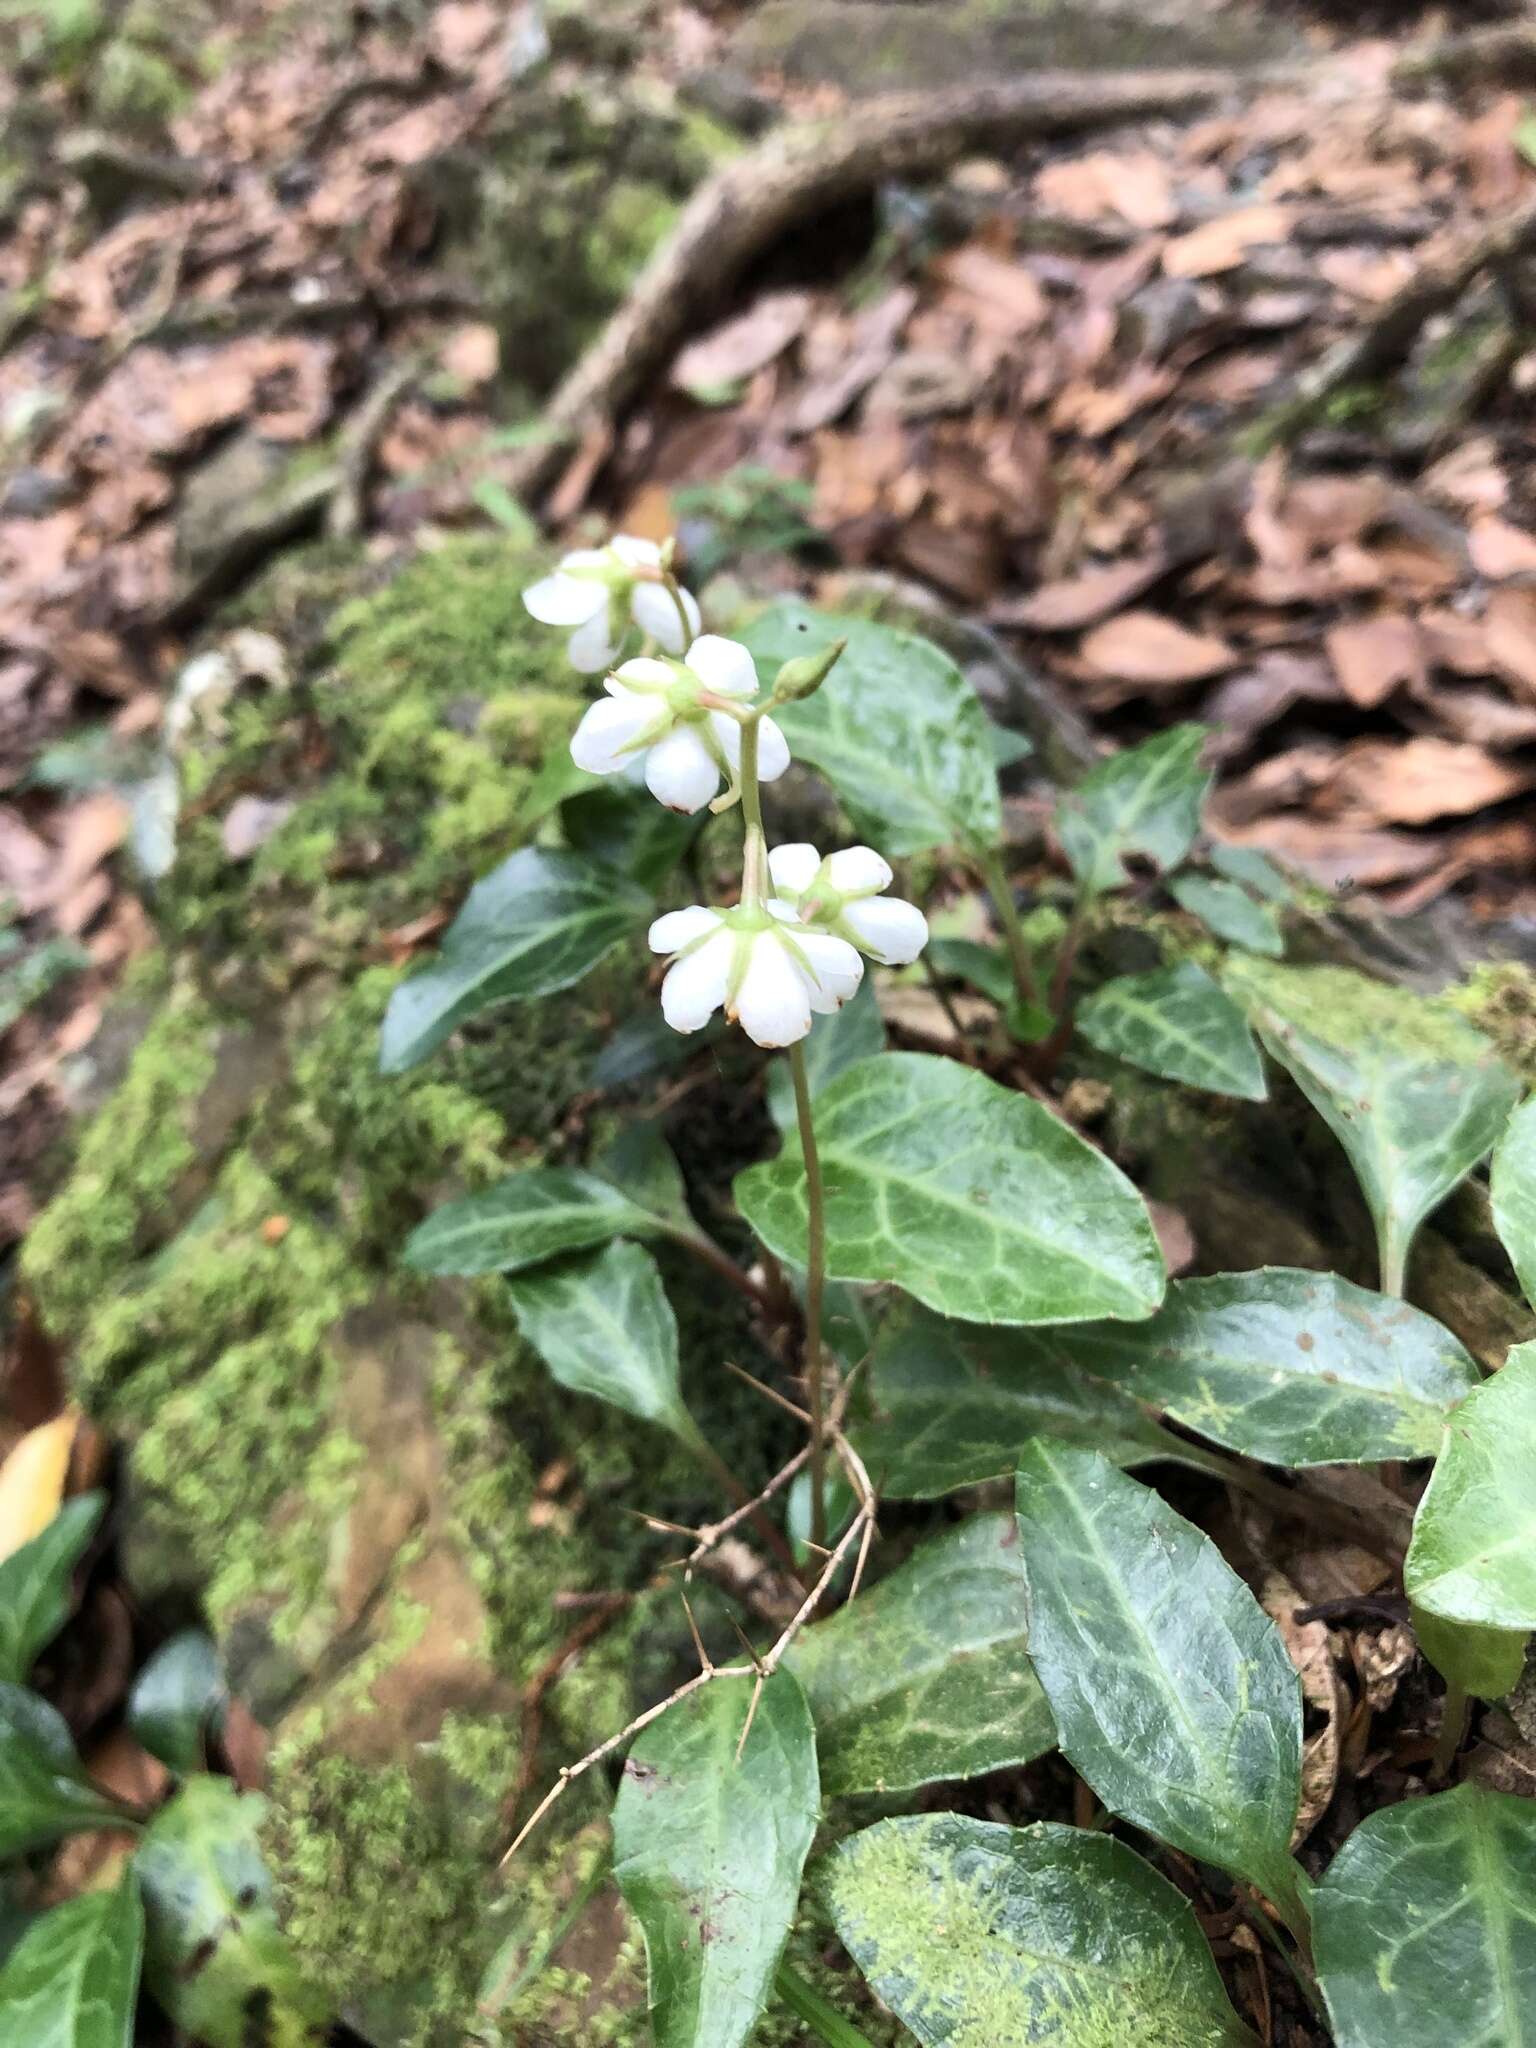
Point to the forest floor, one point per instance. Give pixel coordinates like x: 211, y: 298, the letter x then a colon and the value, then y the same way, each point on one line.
x: 1224, y: 417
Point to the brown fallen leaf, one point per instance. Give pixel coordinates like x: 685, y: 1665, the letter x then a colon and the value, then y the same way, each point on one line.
x: 834, y: 379
x: 1509, y: 625
x: 1372, y: 657
x: 1414, y: 782
x: 1133, y: 183
x: 1073, y: 602
x: 1240, y: 708
x: 32, y: 1480
x: 1453, y: 641
x: 1339, y: 855
x: 743, y: 345
x: 1146, y: 648
x: 1221, y: 244
x: 999, y: 294
x: 1481, y: 716
x: 1500, y: 550
x: 1307, y: 1645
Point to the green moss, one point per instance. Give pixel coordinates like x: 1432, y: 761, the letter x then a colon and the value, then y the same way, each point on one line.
x: 1500, y: 999
x: 127, y: 1170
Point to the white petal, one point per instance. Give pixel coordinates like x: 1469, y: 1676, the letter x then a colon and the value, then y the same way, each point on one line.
x: 680, y: 772
x: 858, y: 871
x: 836, y: 965
x: 643, y: 673
x: 892, y: 931
x: 653, y: 610
x: 773, y: 1004
x: 678, y: 928
x: 607, y: 730
x: 727, y: 736
x: 723, y: 666
x: 695, y: 986
x: 772, y: 751
x: 561, y: 600
x: 591, y: 647
x: 635, y: 553
x: 794, y: 867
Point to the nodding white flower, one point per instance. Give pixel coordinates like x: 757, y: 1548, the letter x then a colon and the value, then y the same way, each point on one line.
x: 660, y: 709
x: 593, y: 589
x: 770, y: 974
x: 843, y: 894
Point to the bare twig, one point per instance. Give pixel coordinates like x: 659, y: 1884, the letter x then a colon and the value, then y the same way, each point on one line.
x: 760, y: 1671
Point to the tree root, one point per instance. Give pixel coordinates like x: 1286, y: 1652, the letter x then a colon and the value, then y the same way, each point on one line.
x: 751, y: 202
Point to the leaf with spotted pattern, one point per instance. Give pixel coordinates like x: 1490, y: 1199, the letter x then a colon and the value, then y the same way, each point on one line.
x: 708, y: 1848
x: 1297, y: 1368
x: 73, y: 1978
x: 954, y: 1401
x: 1172, y: 1691
x: 925, y: 1677
x: 974, y: 1198
x: 1412, y: 1092
x: 1425, y: 1924
x: 1041, y: 1937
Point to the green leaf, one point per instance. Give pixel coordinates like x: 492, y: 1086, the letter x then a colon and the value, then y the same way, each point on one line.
x: 534, y: 925
x: 214, y: 1952
x: 1143, y: 803
x: 1473, y: 1554
x: 44, y: 1792
x: 1425, y: 1924
x: 972, y: 1197
x: 708, y: 1851
x: 1176, y: 1022
x: 1252, y: 869
x: 1172, y: 1691
x: 925, y: 1677
x: 837, y: 1042
x: 954, y: 1401
x: 984, y: 967
x: 603, y: 1325
x: 72, y: 1981
x: 642, y: 1165
x: 525, y: 1219
x: 896, y: 729
x: 1412, y: 1092
x: 1486, y: 1663
x: 1293, y: 1367
x: 841, y: 1505
x: 1514, y: 1194
x: 977, y: 1935
x: 175, y: 1700
x: 498, y: 503
x: 1230, y: 912
x: 627, y: 830
x: 35, y: 1585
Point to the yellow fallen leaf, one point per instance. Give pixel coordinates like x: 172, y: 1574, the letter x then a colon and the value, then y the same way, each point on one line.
x: 32, y: 1480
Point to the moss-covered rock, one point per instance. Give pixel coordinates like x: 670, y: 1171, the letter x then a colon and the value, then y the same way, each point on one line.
x: 366, y: 1477
x: 562, y: 198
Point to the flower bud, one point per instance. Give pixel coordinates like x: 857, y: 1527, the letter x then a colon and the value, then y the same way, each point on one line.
x: 805, y: 674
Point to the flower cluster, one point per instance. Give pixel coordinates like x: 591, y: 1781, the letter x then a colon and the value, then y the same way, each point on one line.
x: 684, y: 711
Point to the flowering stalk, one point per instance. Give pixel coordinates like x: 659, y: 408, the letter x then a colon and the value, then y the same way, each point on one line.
x: 793, y: 947
x: 815, y: 1284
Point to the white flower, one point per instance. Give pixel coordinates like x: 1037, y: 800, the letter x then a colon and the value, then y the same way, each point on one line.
x: 842, y: 894
x: 593, y: 588
x: 770, y: 975
x: 654, y: 708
